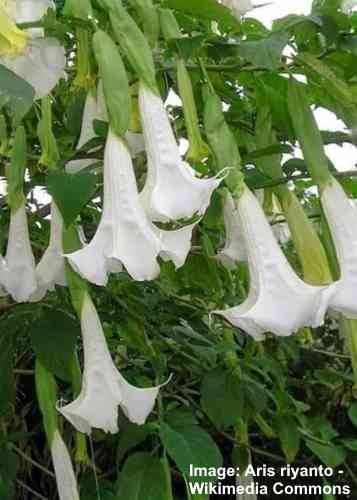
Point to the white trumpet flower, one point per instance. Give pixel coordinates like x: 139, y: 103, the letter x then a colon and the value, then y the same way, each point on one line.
x: 278, y: 300
x: 38, y: 60
x: 172, y: 191
x: 342, y: 219
x: 20, y: 270
x: 238, y: 7
x: 50, y: 271
x: 234, y: 249
x: 65, y: 477
x: 348, y: 5
x: 103, y: 387
x: 125, y: 235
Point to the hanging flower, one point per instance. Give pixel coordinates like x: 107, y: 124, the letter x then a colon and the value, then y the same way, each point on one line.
x: 50, y: 271
x: 65, y: 477
x: 172, y: 191
x: 20, y: 270
x: 234, y: 249
x: 238, y: 7
x: 348, y: 5
x: 125, y: 235
x: 103, y: 387
x: 341, y: 216
x: 38, y: 60
x: 278, y: 301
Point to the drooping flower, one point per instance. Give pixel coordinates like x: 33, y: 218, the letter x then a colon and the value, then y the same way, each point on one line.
x: 341, y: 216
x: 38, y: 60
x: 234, y: 249
x: 172, y: 190
x: 103, y: 387
x: 278, y: 301
x: 348, y: 5
x: 50, y: 270
x: 65, y: 477
x: 20, y: 269
x: 125, y: 235
x: 238, y: 7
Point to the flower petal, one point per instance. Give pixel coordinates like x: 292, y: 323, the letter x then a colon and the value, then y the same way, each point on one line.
x: 342, y: 219
x: 50, y: 271
x: 103, y: 387
x: 65, y: 477
x: 172, y: 191
x: 20, y: 272
x: 278, y: 301
x: 234, y: 249
x: 125, y: 234
x: 239, y: 7
x: 41, y: 65
x: 29, y: 11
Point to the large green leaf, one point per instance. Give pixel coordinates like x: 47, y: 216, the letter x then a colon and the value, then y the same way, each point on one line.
x: 190, y: 445
x: 222, y: 397
x: 143, y: 478
x: 330, y: 455
x: 53, y: 338
x: 289, y: 436
x: 71, y: 192
x: 265, y: 52
x: 15, y: 93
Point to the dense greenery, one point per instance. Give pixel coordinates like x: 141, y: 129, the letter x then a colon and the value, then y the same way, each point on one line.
x: 230, y: 398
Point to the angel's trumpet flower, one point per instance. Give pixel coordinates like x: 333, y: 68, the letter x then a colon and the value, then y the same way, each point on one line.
x: 125, y: 235
x: 341, y: 216
x: 38, y: 60
x: 172, y: 190
x: 278, y: 301
x: 238, y: 7
x: 65, y: 476
x: 234, y: 249
x: 19, y: 271
x: 103, y: 387
x: 348, y: 5
x: 50, y: 270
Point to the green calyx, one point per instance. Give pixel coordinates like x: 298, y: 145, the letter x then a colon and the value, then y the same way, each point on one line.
x: 16, y: 171
x: 84, y: 79
x: 308, y: 134
x: 115, y: 82
x: 77, y: 286
x: 133, y: 43
x: 46, y: 390
x: 81, y: 9
x: 50, y: 155
x: 222, y: 141
x: 198, y: 149
x: 149, y: 18
x: 169, y: 26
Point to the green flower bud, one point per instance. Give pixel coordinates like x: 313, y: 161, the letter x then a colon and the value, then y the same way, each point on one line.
x: 115, y: 82
x: 81, y: 9
x: 16, y: 171
x: 50, y: 154
x: 46, y: 390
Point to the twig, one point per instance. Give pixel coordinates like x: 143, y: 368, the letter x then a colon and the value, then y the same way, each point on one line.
x: 31, y: 461
x: 284, y: 180
x: 326, y: 353
x: 28, y: 488
x: 351, y: 473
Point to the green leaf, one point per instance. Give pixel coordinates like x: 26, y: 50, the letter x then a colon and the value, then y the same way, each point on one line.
x: 352, y: 413
x: 71, y: 192
x: 212, y: 10
x: 53, y: 338
x: 132, y: 436
x: 289, y: 436
x: 330, y: 455
x: 143, y: 478
x: 15, y: 93
x: 190, y: 445
x: 350, y: 444
x: 266, y: 52
x: 222, y: 397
